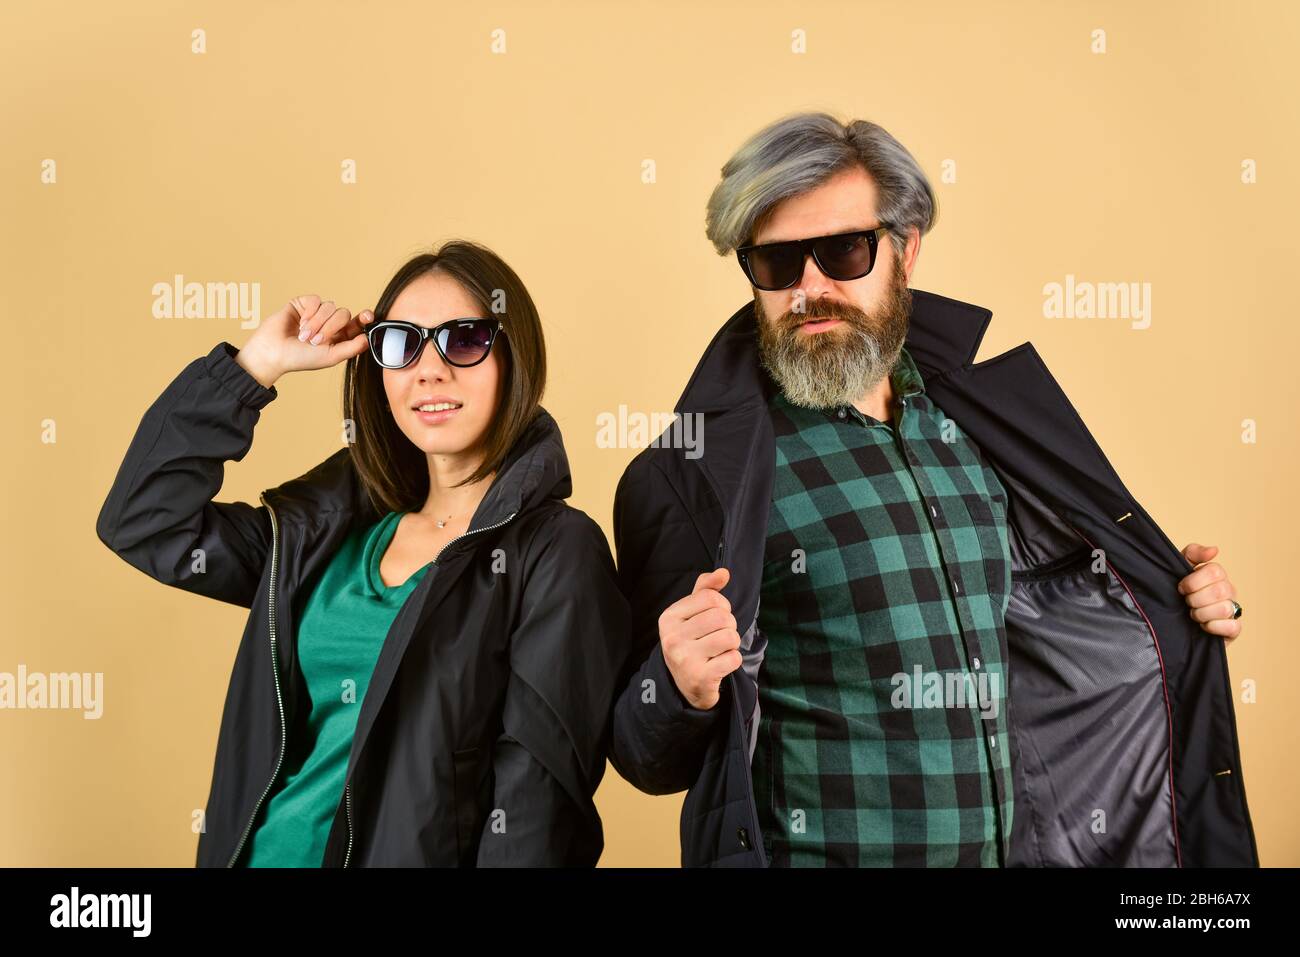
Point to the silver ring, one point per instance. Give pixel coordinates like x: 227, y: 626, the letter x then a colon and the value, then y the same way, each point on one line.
x: 1236, y: 608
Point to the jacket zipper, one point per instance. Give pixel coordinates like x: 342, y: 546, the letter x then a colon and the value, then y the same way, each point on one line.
x: 347, y: 788
x: 275, y: 672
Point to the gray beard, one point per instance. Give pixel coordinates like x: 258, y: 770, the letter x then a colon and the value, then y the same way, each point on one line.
x: 826, y: 377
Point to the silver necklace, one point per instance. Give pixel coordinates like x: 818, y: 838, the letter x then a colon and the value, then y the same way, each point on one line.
x: 442, y: 523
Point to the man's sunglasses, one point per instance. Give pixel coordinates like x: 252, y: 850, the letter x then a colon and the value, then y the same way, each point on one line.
x: 841, y: 257
x: 395, y: 344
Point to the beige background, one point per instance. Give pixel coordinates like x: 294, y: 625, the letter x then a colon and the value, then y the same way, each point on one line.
x: 225, y: 166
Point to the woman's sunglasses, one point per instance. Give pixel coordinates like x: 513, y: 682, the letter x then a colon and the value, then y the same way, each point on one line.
x: 841, y: 257
x: 395, y: 344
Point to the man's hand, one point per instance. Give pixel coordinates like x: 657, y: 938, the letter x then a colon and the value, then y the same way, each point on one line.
x: 1207, y: 590
x: 700, y: 642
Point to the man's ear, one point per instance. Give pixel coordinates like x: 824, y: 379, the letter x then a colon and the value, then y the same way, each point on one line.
x: 912, y: 252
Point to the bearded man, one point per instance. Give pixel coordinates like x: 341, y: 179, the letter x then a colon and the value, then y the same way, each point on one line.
x: 862, y: 639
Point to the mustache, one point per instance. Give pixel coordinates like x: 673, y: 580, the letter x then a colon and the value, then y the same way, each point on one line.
x: 823, y: 309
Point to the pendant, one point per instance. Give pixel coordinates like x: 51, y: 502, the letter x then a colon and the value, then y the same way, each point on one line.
x: 441, y: 524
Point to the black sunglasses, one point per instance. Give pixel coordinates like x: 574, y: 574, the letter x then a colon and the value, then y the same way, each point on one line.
x: 395, y: 344
x: 841, y: 257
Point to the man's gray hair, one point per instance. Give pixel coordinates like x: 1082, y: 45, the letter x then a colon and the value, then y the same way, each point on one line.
x: 800, y: 152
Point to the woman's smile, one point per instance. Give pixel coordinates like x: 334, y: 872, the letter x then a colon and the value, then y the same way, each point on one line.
x: 433, y: 410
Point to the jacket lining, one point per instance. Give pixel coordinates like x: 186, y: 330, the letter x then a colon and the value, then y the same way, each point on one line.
x: 1086, y: 677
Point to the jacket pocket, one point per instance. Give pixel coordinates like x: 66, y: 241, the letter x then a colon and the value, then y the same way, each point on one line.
x: 465, y: 804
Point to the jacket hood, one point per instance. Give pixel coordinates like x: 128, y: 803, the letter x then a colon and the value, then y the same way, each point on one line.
x: 536, y: 469
x: 942, y: 334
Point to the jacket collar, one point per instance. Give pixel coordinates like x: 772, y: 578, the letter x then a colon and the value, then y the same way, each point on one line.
x: 536, y: 469
x: 943, y: 334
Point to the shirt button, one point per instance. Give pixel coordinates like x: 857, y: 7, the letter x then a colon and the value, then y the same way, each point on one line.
x: 956, y: 587
x: 934, y: 512
x: 842, y: 413
x: 977, y: 664
x: 993, y: 741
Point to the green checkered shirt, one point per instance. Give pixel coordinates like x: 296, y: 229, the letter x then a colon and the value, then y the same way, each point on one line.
x: 882, y: 737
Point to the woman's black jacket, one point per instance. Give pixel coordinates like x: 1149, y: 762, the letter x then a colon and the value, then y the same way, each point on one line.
x: 482, y: 735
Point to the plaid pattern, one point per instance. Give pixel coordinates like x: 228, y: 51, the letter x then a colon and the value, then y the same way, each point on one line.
x: 905, y: 565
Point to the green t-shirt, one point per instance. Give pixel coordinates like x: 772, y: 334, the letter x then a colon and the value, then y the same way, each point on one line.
x: 343, y: 627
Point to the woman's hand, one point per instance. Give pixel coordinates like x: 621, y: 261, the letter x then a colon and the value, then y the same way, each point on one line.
x: 306, y: 334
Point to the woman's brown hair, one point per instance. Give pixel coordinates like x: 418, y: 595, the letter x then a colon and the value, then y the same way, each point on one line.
x: 393, y: 470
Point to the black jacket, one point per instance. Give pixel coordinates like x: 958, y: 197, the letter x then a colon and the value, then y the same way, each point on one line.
x: 483, y: 733
x: 1118, y: 702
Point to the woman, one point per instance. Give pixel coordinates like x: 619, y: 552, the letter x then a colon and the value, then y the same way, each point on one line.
x: 435, y: 635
